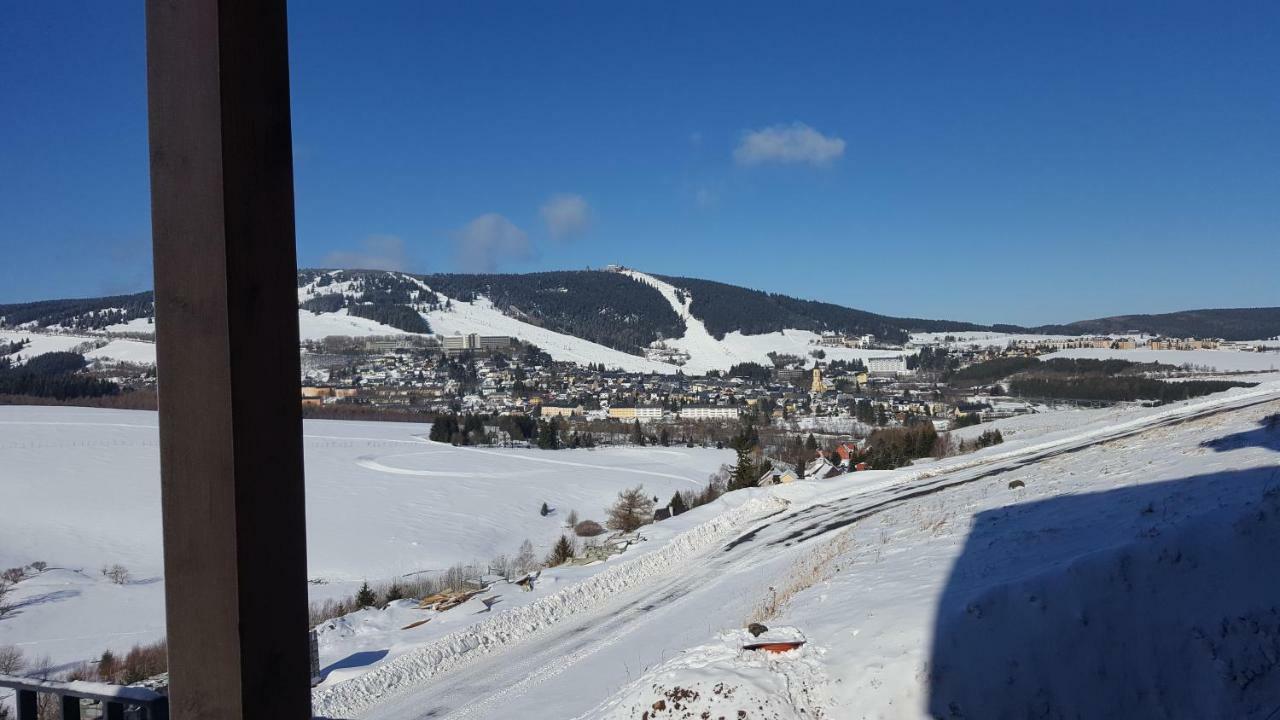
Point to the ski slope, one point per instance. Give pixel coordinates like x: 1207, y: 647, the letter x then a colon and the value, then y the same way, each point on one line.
x: 708, y: 353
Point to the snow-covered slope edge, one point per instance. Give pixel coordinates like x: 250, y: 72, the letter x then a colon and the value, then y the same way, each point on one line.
x: 404, y: 672
x: 1117, y: 634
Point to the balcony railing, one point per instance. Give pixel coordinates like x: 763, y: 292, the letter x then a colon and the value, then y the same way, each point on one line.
x: 117, y: 702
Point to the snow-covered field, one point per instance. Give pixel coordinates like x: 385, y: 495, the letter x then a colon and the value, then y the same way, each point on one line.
x: 40, y: 343
x: 1110, y: 562
x: 1220, y: 360
x: 79, y: 489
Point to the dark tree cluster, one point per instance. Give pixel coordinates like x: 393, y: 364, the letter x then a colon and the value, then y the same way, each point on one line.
x: 328, y: 303
x: 79, y: 313
x: 400, y: 317
x: 890, y: 448
x: 459, y: 430
x: 932, y: 360
x: 991, y: 371
x: 9, y: 348
x: 751, y: 371
x: 1116, y: 389
x: 54, y: 375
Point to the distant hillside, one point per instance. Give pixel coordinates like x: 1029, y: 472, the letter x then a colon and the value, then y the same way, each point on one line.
x: 79, y: 313
x: 588, y: 314
x: 603, y: 307
x: 726, y: 308
x: 1227, y: 323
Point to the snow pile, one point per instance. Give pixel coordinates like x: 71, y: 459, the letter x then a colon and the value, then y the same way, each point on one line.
x: 721, y: 679
x: 519, y: 623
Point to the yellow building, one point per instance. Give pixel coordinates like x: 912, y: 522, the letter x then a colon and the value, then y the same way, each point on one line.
x: 817, y: 386
x: 560, y: 411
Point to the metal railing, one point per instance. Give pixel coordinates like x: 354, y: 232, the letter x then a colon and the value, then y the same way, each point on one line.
x: 115, y: 700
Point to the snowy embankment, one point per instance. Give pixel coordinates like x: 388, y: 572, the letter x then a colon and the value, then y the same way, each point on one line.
x: 1179, y: 623
x: 519, y: 623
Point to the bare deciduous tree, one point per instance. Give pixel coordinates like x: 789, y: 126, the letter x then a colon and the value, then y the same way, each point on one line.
x: 5, y: 607
x: 116, y: 573
x: 526, y: 561
x: 11, y: 662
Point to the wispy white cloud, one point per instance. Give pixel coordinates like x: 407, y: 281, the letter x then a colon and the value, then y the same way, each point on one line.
x: 376, y: 252
x: 490, y: 241
x: 567, y: 216
x: 794, y: 143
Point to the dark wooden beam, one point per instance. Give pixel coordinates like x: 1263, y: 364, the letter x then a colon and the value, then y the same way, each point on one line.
x: 227, y: 355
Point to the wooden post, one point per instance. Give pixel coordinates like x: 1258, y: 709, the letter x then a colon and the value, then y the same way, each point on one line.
x: 227, y: 356
x: 28, y: 705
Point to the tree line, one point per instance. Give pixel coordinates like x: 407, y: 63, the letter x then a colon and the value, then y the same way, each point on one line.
x: 54, y: 375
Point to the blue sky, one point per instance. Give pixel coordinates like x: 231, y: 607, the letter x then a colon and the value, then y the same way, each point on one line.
x: 1022, y: 162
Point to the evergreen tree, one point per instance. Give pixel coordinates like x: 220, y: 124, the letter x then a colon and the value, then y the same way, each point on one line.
x: 545, y: 511
x: 395, y: 592
x: 561, y: 552
x: 548, y: 436
x: 745, y: 472
x: 677, y: 504
x: 664, y: 437
x: 365, y: 597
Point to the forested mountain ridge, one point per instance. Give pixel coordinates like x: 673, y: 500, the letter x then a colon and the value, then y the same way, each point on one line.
x: 1225, y: 323
x: 603, y: 307
x: 727, y: 308
x: 91, y: 313
x: 615, y: 311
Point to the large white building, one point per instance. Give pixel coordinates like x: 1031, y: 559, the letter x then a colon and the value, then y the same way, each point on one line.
x: 708, y: 412
x: 891, y: 365
x: 454, y: 344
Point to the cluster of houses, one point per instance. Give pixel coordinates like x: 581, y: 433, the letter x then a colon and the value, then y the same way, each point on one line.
x: 516, y: 382
x: 1129, y: 342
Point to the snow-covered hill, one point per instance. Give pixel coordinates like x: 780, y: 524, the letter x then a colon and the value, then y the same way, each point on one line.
x: 1081, y: 528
